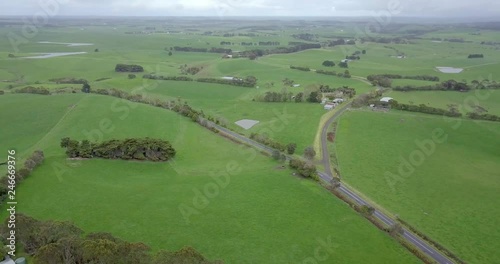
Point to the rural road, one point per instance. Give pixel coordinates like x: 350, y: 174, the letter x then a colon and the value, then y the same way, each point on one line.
x: 327, y: 177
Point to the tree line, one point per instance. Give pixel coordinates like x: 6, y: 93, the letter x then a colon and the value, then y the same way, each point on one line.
x: 279, y: 50
x: 177, y: 106
x: 68, y: 80
x: 126, y: 149
x: 422, y: 108
x: 341, y: 41
x: 7, y: 183
x: 51, y: 242
x: 33, y: 90
x: 385, y: 80
x: 346, y: 73
x: 300, y: 68
x: 211, y: 50
x: 475, y: 56
x: 249, y: 81
x: 128, y: 68
x: 450, y: 85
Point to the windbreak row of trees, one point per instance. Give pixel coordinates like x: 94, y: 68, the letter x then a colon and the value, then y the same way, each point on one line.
x: 128, y: 68
x: 50, y: 242
x: 475, y: 56
x: 450, y: 85
x: 252, y: 54
x: 422, y: 108
x: 211, y: 50
x: 68, y: 80
x: 249, y: 81
x: 300, y: 68
x: 33, y: 90
x: 483, y: 116
x: 126, y: 149
x: 8, y: 183
x: 385, y: 80
x: 264, y: 139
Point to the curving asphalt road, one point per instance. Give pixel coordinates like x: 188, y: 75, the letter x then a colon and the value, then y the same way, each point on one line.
x: 327, y: 177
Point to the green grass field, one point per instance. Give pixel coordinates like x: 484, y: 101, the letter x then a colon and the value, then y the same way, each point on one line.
x: 451, y: 195
x: 263, y: 214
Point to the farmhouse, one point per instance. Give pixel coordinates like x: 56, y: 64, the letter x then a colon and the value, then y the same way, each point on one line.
x: 330, y: 106
x: 7, y: 261
x: 296, y: 85
x: 345, y: 60
x: 338, y: 100
x: 227, y: 56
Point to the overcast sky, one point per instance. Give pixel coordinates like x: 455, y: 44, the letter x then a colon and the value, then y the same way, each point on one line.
x: 452, y: 8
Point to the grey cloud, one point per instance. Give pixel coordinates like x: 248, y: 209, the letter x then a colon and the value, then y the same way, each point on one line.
x: 455, y: 8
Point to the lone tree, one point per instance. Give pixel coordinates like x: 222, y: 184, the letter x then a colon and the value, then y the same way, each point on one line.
x: 363, y: 52
x: 290, y: 148
x: 96, y: 50
x: 343, y: 64
x: 169, y: 53
x: 131, y: 76
x: 328, y: 63
x: 309, y: 153
x: 86, y: 88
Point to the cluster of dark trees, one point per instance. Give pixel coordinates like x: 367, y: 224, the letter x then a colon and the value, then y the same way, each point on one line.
x: 8, y: 184
x: 478, y: 116
x: 353, y: 57
x: 305, y: 36
x: 128, y: 68
x: 343, y: 64
x: 283, y: 96
x: 190, y: 70
x: 167, y: 78
x: 366, y: 99
x: 475, y: 56
x: 450, y: 85
x: 2, y: 92
x: 211, y: 50
x: 341, y: 41
x: 328, y: 63
x: 422, y: 108
x: 305, y: 169
x: 62, y: 242
x: 126, y: 149
x: 264, y: 139
x: 190, y: 49
x: 222, y: 43
x: 249, y: 81
x: 252, y: 54
x: 300, y: 68
x: 261, y: 43
x: 385, y: 40
x: 33, y: 90
x: 345, y: 90
x: 69, y: 80
x: 334, y: 73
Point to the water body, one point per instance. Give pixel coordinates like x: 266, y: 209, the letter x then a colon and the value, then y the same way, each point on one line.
x: 52, y: 55
x: 449, y: 69
x: 67, y: 44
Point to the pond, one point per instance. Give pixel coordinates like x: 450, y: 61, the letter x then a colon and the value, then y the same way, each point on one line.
x: 449, y: 69
x: 52, y: 55
x: 67, y: 44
